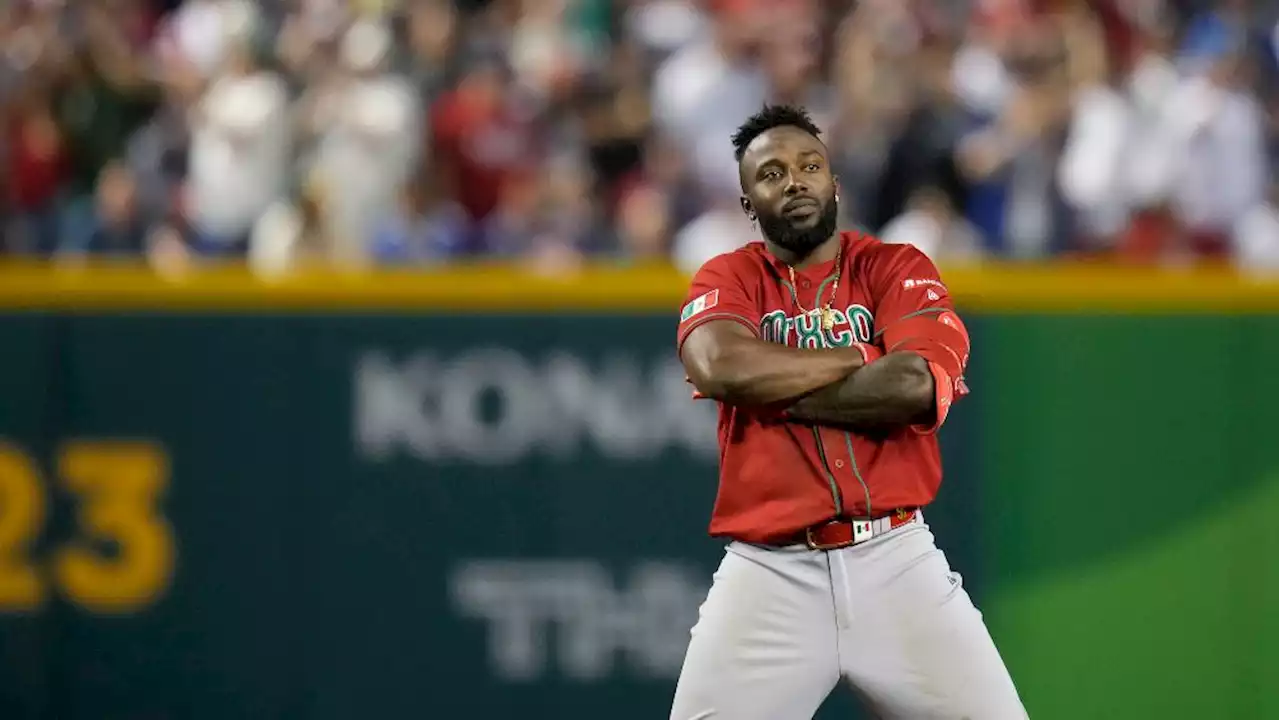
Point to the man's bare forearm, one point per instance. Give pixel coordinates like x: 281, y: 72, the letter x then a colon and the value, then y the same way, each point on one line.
x: 731, y: 366
x: 893, y: 391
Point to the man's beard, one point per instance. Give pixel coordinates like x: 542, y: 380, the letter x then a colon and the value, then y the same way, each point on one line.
x: 780, y: 231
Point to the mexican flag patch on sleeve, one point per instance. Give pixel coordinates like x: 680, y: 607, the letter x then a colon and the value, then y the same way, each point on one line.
x: 700, y: 304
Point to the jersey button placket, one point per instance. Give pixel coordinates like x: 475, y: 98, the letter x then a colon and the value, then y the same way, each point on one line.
x: 833, y: 484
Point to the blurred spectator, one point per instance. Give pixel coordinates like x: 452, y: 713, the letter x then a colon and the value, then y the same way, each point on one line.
x: 923, y: 152
x: 1009, y: 160
x: 545, y: 53
x: 979, y: 72
x: 1098, y: 134
x: 791, y: 56
x: 569, y: 220
x: 239, y: 142
x: 369, y: 141
x: 482, y: 143
x: 705, y: 90
x: 37, y: 171
x: 104, y: 90
x: 1219, y: 137
x: 614, y: 121
x: 653, y: 201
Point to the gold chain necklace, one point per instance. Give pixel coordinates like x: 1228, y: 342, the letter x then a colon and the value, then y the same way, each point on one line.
x: 828, y: 315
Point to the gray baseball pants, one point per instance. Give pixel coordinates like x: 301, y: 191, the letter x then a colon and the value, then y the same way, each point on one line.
x: 782, y: 625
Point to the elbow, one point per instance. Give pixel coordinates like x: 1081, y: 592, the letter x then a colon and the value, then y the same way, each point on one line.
x: 714, y: 376
x: 709, y: 378
x: 707, y: 385
x: 716, y: 360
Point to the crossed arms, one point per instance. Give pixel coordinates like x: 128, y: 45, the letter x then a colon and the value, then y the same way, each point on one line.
x: 850, y: 387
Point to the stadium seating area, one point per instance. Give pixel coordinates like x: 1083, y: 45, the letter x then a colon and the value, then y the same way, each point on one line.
x: 411, y: 132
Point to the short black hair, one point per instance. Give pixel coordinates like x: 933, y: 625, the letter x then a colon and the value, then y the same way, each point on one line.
x: 770, y: 117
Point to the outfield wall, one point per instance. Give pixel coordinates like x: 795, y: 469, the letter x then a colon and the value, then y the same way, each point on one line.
x: 413, y: 495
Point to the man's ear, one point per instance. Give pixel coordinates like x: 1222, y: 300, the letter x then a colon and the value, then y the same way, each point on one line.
x: 746, y: 208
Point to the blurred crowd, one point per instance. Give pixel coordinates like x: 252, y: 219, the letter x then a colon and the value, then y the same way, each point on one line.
x: 399, y: 132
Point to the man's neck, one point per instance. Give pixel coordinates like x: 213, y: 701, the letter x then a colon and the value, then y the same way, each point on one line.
x: 825, y: 252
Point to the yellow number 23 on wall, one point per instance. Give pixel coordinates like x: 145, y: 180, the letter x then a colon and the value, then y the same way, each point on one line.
x: 122, y: 556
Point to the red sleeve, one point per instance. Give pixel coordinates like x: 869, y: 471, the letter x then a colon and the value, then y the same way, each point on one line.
x: 716, y: 293
x: 914, y: 313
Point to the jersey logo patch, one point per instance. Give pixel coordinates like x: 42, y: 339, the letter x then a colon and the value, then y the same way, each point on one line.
x: 910, y: 283
x: 700, y: 304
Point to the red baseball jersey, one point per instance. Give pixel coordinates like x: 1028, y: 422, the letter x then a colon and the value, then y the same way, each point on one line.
x: 779, y: 476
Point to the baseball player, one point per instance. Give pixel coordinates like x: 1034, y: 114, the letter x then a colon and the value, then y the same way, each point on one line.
x: 834, y: 359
